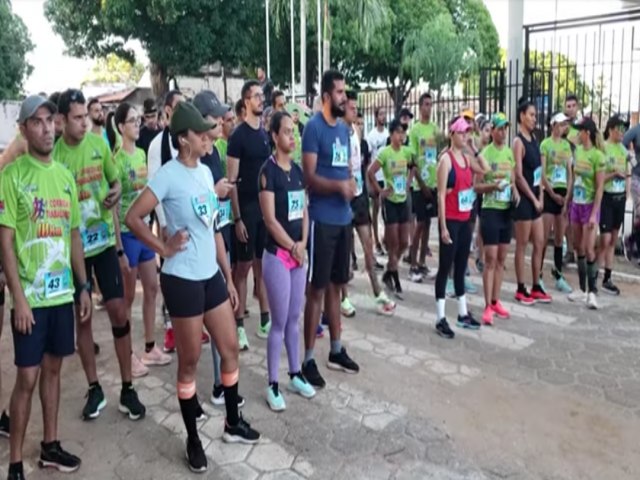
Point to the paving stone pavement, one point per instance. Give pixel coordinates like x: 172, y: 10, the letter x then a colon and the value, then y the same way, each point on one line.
x: 553, y: 393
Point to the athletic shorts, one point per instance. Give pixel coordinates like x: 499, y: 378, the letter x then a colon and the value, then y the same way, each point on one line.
x: 233, y: 244
x: 256, y: 231
x: 550, y: 206
x: 106, y: 268
x: 475, y: 211
x: 190, y: 298
x: 136, y: 251
x: 329, y: 254
x: 422, y: 207
x: 612, y: 211
x: 393, y: 213
x: 496, y: 226
x: 360, y: 209
x: 52, y: 332
x: 579, y: 214
x: 525, y: 210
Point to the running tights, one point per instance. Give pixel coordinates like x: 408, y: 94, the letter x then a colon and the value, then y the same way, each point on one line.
x: 457, y: 254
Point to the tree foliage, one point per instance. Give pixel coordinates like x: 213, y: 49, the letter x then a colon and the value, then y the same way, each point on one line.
x: 113, y: 69
x: 15, y: 43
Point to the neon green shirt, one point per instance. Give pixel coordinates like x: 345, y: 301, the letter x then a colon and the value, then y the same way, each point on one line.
x: 616, y: 156
x: 557, y: 156
x: 394, y: 165
x: 39, y: 202
x: 297, y: 153
x: 588, y: 163
x: 423, y: 141
x: 221, y: 145
x: 133, y: 178
x: 501, y: 164
x: 92, y: 165
x: 572, y: 135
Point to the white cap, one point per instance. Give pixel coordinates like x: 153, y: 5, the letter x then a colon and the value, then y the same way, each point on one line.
x: 559, y: 118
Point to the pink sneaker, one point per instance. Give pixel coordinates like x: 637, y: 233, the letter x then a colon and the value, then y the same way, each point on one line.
x: 487, y: 316
x: 155, y: 357
x: 137, y: 367
x: 500, y: 310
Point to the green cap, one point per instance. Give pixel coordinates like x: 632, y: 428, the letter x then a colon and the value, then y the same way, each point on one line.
x: 187, y: 117
x: 499, y: 120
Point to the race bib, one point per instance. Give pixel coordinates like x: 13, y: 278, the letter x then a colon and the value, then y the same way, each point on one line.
x: 203, y: 207
x: 340, y: 156
x: 399, y: 184
x: 466, y: 199
x: 425, y: 173
x: 537, y: 176
x: 579, y: 194
x: 618, y: 185
x: 559, y: 175
x: 430, y: 155
x: 95, y: 237
x: 224, y: 213
x: 296, y: 204
x: 504, y: 195
x: 358, y: 178
x: 57, y: 283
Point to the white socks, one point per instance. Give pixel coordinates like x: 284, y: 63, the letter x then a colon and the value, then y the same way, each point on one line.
x: 462, y: 306
x: 440, y: 308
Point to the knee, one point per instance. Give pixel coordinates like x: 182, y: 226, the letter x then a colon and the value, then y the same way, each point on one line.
x: 187, y: 365
x: 490, y: 262
x: 151, y: 291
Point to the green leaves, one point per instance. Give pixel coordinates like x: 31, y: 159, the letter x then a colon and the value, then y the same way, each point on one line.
x: 14, y: 46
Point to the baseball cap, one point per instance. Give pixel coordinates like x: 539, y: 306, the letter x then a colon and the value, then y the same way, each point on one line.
x: 396, y: 124
x: 405, y: 112
x: 499, y: 120
x: 468, y: 113
x: 207, y: 103
x: 149, y: 106
x: 459, y: 125
x: 559, y: 118
x: 30, y: 106
x: 585, y: 123
x: 616, y: 121
x: 187, y: 117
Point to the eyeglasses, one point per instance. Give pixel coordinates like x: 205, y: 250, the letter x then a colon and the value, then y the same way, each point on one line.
x: 257, y: 96
x: 133, y: 121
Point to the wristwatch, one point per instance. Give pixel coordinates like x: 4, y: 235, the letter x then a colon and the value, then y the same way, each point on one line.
x: 120, y: 252
x: 86, y: 286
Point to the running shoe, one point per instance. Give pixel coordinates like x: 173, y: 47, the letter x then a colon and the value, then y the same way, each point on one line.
x: 205, y: 338
x: 196, y: 458
x: 443, y: 329
x: 427, y: 272
x: 275, y: 400
x: 592, y: 303
x: 540, y: 296
x: 428, y: 252
x: 406, y: 260
x: 610, y: 288
x: 95, y: 403
x: 541, y: 283
x: 341, y: 361
x: 311, y: 373
x: 298, y: 384
x: 379, y: 251
x: 479, y: 265
x: 487, y: 316
x: 243, y: 341
x: 217, y: 397
x: 263, y: 330
x: 5, y: 426
x: 155, y: 357
x: 137, y: 367
x: 240, y: 433
x: 52, y: 455
x: 469, y: 286
x: 450, y: 291
x: 130, y: 404
x: 387, y: 279
x: 16, y: 476
x: 169, y: 341
x: 378, y: 266
x: 577, y: 296
x: 324, y: 319
x: 384, y: 305
x: 398, y: 286
x: 562, y: 285
x: 524, y: 298
x: 467, y: 321
x: 414, y: 275
x: 319, y: 332
x: 200, y: 415
x: 347, y: 309
x: 500, y: 311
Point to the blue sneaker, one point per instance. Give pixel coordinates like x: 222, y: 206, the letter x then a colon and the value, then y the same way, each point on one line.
x: 275, y: 400
x: 319, y: 332
x: 563, y: 286
x: 469, y: 287
x: 299, y: 385
x: 324, y: 320
x: 450, y: 292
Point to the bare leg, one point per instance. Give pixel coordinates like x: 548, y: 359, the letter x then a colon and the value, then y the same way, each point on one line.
x: 50, y: 395
x: 20, y: 409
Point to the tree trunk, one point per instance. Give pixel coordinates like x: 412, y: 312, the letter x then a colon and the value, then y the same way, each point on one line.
x: 159, y: 80
x: 326, y: 38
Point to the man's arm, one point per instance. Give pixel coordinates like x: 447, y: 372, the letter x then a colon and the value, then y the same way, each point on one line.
x: 315, y: 182
x: 10, y: 265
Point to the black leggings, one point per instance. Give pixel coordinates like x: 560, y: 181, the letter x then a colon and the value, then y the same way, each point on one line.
x: 456, y: 254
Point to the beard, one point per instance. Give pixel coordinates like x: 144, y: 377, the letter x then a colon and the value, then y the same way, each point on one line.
x: 257, y: 112
x: 337, y: 110
x: 98, y: 121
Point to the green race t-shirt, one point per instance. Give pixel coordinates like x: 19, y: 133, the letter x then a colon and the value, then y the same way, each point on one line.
x: 423, y: 141
x: 221, y: 146
x: 39, y: 202
x: 557, y: 156
x: 501, y: 164
x: 133, y: 178
x: 572, y: 135
x: 297, y: 153
x: 394, y: 165
x: 91, y: 164
x: 588, y: 163
x: 616, y: 157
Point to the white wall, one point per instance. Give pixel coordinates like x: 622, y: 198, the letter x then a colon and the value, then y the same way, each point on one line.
x: 8, y: 116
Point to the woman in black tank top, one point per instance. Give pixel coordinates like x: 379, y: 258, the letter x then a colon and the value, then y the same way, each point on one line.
x: 528, y: 222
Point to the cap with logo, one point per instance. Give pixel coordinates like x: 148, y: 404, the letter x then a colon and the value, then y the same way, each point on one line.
x: 459, y: 125
x: 559, y: 117
x: 499, y: 120
x: 150, y: 106
x: 187, y: 117
x: 207, y: 103
x: 30, y: 106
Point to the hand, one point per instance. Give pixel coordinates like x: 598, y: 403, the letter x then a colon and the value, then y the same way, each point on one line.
x: 559, y: 199
x: 621, y: 175
x: 592, y: 222
x: 348, y: 189
x: 446, y: 238
x: 563, y: 212
x: 176, y: 244
x: 537, y: 205
x: 112, y: 196
x: 85, y: 306
x: 516, y: 196
x: 23, y: 317
x: 386, y: 193
x: 233, y: 296
x: 223, y: 188
x: 241, y: 232
x: 164, y: 234
x: 299, y: 253
x: 501, y: 185
x: 124, y: 264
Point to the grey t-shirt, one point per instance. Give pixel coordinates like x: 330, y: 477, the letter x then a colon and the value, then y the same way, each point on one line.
x: 633, y: 136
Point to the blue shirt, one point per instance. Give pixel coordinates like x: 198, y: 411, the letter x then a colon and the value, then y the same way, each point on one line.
x: 331, y: 145
x: 188, y: 200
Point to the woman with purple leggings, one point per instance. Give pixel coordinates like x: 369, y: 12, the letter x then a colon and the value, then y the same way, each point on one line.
x: 283, y: 205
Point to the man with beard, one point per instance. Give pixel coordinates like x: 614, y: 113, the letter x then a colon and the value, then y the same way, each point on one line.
x: 96, y: 115
x: 327, y: 174
x: 247, y: 150
x: 150, y: 128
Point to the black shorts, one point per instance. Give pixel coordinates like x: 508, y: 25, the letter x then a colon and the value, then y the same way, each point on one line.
x: 422, y: 207
x: 393, y: 213
x: 525, y: 211
x: 190, y: 298
x: 612, y: 211
x: 106, y: 268
x: 360, y: 209
x: 227, y: 237
x: 256, y: 231
x: 329, y: 254
x: 550, y: 206
x: 496, y: 226
x: 52, y: 333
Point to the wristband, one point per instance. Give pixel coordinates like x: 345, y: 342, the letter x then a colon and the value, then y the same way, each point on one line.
x: 120, y: 252
x: 86, y: 286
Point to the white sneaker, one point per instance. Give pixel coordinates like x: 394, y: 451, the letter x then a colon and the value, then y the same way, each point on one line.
x: 138, y: 369
x: 592, y: 304
x: 155, y: 357
x: 577, y: 296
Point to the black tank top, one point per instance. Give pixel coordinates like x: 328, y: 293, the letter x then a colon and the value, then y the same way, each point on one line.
x: 531, y: 163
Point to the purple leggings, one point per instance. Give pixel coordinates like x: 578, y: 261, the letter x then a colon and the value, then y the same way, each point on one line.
x: 285, y: 291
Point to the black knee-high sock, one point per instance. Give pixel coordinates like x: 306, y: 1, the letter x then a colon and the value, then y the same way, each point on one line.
x: 592, y: 272
x: 189, y: 410
x: 557, y: 260
x: 607, y: 275
x: 582, y: 273
x: 231, y: 404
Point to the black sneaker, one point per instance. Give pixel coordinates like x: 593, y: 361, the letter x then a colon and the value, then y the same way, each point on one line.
x: 311, y: 373
x: 4, y: 425
x: 53, y: 456
x: 468, y: 322
x: 378, y: 266
x: 387, y: 279
x: 240, y: 433
x: 443, y: 329
x: 130, y: 404
x: 342, y: 361
x: 397, y: 286
x: 16, y: 476
x: 196, y: 458
x: 610, y: 288
x: 217, y: 397
x: 95, y: 403
x: 423, y: 270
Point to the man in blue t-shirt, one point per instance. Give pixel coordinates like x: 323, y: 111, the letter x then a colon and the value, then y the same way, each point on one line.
x: 327, y: 174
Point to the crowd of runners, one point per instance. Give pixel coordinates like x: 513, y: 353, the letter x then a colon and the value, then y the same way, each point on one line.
x: 89, y: 202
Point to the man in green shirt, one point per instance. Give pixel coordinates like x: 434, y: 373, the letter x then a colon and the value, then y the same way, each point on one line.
x: 89, y: 160
x: 41, y: 249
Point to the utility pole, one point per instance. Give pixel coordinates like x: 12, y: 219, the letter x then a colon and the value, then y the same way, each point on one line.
x: 266, y: 19
x: 293, y: 53
x: 303, y: 46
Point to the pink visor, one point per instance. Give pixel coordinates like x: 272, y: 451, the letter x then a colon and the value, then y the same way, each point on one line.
x: 459, y: 126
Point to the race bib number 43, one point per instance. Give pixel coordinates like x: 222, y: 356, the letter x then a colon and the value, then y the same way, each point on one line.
x: 57, y: 283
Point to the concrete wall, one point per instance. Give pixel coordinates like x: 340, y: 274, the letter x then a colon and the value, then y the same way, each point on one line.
x: 192, y: 85
x: 8, y: 116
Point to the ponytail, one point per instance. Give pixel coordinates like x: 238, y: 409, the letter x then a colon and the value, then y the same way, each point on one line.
x: 111, y: 132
